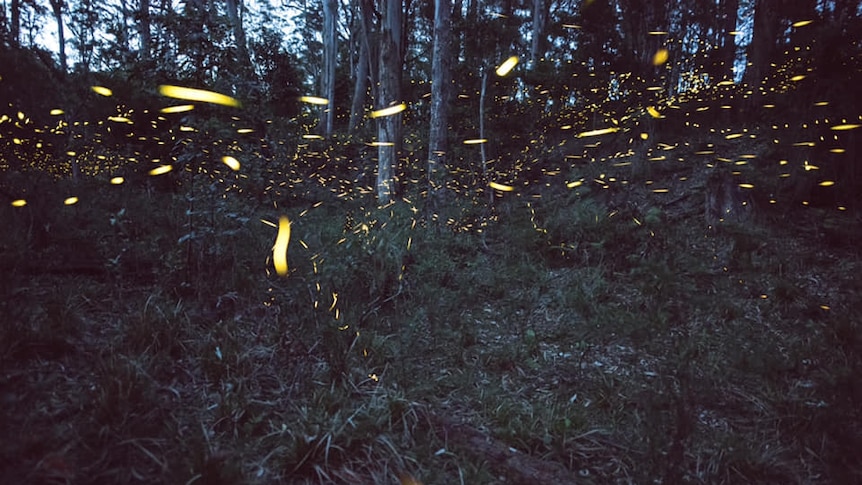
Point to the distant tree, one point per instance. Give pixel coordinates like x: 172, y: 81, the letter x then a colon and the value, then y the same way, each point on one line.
x: 360, y: 33
x: 764, y: 42
x: 15, y: 22
x: 540, y: 20
x: 57, y: 7
x: 389, y: 94
x: 330, y: 51
x: 144, y: 29
x: 441, y: 81
x: 233, y: 13
x: 85, y: 20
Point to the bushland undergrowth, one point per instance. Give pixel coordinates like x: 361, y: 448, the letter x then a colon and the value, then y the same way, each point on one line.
x: 613, y: 336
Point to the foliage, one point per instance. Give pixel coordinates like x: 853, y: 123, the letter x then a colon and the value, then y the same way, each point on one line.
x: 589, y: 317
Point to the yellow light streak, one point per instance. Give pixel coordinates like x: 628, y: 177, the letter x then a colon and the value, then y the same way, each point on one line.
x: 19, y: 203
x: 117, y: 181
x: 314, y: 100
x: 180, y: 108
x: 603, y: 131
x: 101, y: 90
x: 475, y: 141
x: 279, y: 250
x: 161, y: 169
x: 391, y: 110
x: 507, y: 66
x: 202, y: 95
x: 501, y: 187
x: 70, y: 201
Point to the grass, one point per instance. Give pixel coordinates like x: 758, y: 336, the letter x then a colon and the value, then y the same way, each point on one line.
x: 583, y: 339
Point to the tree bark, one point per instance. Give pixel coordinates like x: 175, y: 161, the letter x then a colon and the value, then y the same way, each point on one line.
x: 144, y: 29
x: 389, y: 93
x: 763, y: 42
x: 15, y: 28
x: 238, y: 33
x: 330, y: 49
x: 441, y: 80
x: 540, y: 19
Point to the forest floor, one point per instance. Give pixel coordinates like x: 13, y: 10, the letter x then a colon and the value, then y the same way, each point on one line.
x: 580, y: 338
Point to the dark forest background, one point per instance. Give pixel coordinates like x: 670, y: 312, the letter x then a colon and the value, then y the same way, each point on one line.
x: 631, y: 256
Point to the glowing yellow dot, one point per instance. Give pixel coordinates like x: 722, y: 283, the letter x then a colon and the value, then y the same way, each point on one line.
x: 161, y: 169
x: 101, y: 90
x: 231, y: 162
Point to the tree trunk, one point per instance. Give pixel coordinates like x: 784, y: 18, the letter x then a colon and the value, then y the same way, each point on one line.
x: 15, y: 28
x: 330, y: 49
x: 723, y: 66
x: 144, y: 29
x: 763, y: 42
x: 238, y: 33
x: 441, y: 80
x: 389, y: 93
x: 360, y: 85
x: 57, y: 7
x: 540, y: 19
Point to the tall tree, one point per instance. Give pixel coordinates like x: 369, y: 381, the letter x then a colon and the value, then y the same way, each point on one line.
x: 764, y: 42
x: 360, y: 32
x: 441, y: 80
x: 723, y: 60
x: 233, y: 13
x: 540, y: 20
x: 84, y: 23
x: 389, y: 94
x: 15, y: 20
x: 330, y: 51
x: 144, y: 29
x: 57, y: 8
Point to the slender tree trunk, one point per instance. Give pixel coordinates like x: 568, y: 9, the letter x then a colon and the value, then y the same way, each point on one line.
x: 238, y: 32
x: 763, y: 42
x: 15, y: 28
x: 330, y: 49
x: 57, y: 7
x: 360, y: 86
x: 540, y: 19
x: 144, y: 29
x: 441, y: 79
x: 482, y: 122
x: 389, y: 93
x: 727, y: 47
